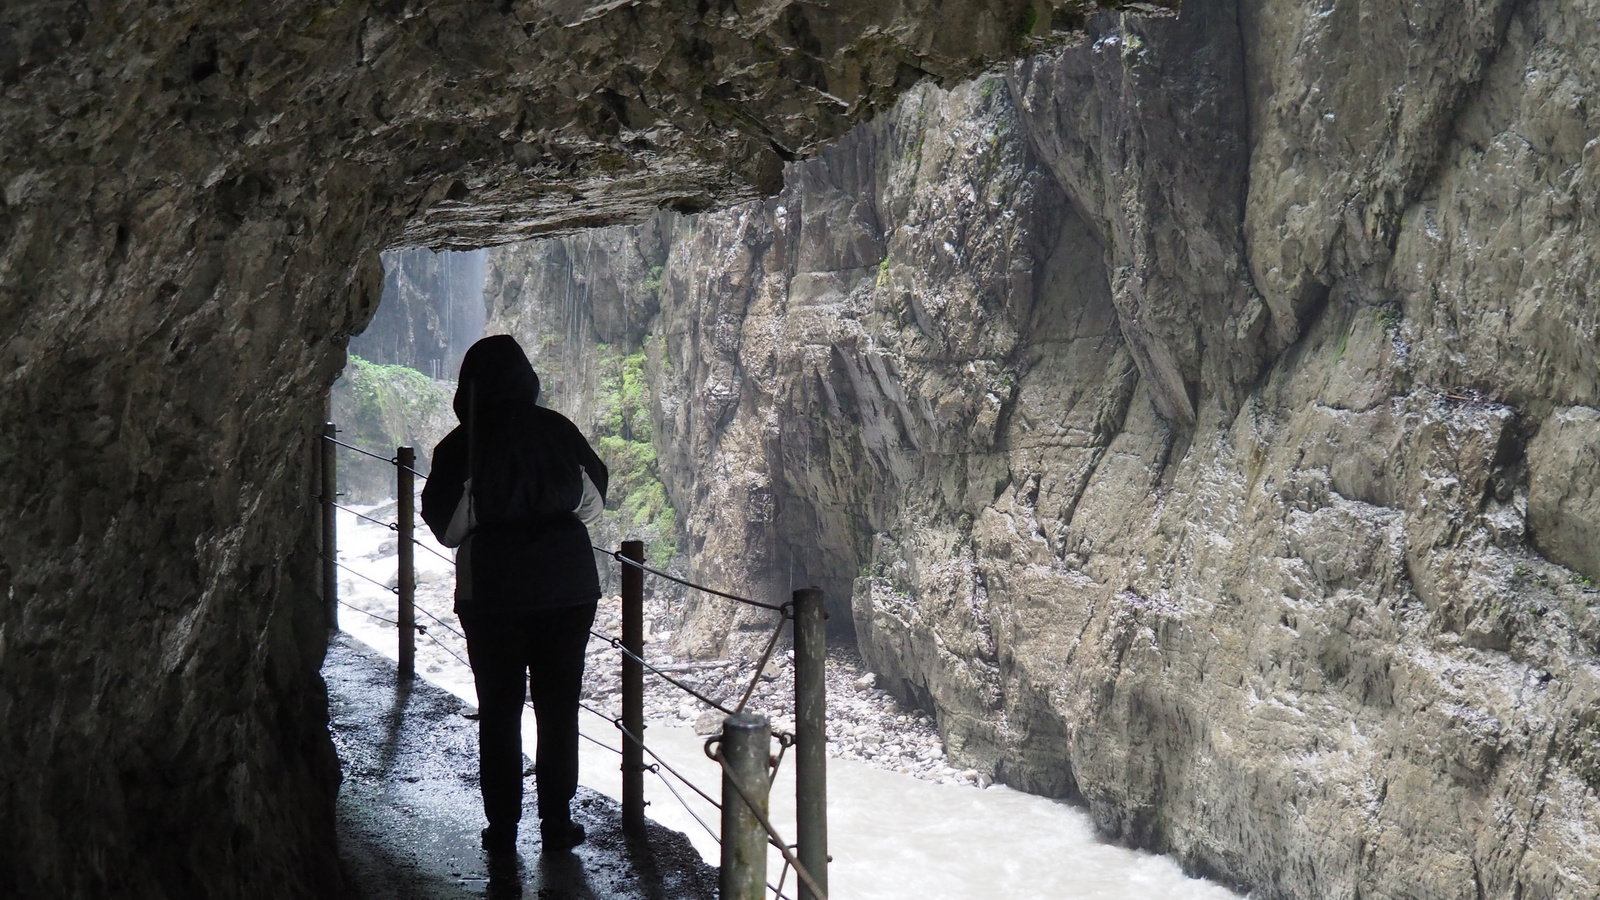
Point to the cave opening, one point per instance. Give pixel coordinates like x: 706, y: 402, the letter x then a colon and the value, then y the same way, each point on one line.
x: 1389, y: 531
x: 588, y: 310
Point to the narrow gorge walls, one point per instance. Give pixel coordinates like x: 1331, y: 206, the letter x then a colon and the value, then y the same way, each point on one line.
x: 431, y: 311
x: 1201, y: 419
x: 193, y: 197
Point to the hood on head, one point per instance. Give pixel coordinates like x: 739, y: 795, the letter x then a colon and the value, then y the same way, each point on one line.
x: 504, y: 377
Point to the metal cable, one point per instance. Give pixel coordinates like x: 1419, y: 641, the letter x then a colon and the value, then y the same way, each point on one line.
x: 373, y: 615
x: 388, y: 459
x: 433, y: 551
x: 617, y: 643
x: 782, y: 877
x: 760, y: 666
x: 617, y: 555
x: 392, y: 590
x: 448, y: 627
x: 653, y: 755
x: 446, y: 649
x: 389, y: 525
x: 391, y: 460
x: 783, y: 749
x: 395, y: 590
x: 686, y: 808
x: 600, y: 743
x: 678, y: 775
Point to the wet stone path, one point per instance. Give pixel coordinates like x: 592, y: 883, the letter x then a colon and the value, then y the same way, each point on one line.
x: 409, y: 812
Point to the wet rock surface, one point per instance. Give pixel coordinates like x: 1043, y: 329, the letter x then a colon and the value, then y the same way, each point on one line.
x: 193, y: 197
x: 1200, y: 422
x: 410, y: 813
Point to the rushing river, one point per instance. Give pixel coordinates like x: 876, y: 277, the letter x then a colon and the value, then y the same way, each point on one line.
x: 891, y: 836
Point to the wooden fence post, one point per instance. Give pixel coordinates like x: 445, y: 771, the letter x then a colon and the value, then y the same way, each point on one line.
x: 405, y: 487
x: 746, y: 749
x: 811, y: 737
x: 330, y: 526
x: 633, y: 690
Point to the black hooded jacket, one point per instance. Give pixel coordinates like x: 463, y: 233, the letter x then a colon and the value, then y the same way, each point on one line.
x: 528, y: 551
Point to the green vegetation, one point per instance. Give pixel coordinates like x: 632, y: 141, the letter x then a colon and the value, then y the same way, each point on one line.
x: 387, y: 400
x: 636, y: 495
x: 380, y: 407
x: 1521, y: 573
x: 1387, y: 316
x: 1026, y: 26
x: 652, y: 282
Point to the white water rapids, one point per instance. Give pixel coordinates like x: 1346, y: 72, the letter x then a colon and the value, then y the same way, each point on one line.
x: 891, y: 836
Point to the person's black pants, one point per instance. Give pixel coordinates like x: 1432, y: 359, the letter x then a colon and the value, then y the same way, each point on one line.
x: 542, y: 652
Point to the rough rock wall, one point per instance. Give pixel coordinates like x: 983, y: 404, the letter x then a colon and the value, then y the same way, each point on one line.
x: 1203, y: 420
x: 194, y: 197
x: 562, y: 297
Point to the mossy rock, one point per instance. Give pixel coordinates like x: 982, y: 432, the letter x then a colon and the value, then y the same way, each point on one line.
x: 380, y: 408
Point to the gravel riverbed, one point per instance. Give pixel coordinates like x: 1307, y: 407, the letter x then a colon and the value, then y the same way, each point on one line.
x: 865, y: 722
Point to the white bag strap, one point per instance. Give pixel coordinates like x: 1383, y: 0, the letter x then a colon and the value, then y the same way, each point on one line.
x: 463, y: 520
x: 592, y: 504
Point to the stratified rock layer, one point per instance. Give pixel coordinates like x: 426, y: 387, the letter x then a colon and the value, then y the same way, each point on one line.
x: 1205, y: 422
x: 194, y: 197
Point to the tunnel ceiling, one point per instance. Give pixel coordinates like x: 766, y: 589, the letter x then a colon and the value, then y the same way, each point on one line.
x: 474, y: 122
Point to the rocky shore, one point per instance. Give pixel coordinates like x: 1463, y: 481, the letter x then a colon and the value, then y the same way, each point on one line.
x: 865, y: 722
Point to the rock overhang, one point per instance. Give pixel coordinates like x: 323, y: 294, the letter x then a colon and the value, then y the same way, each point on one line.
x: 193, y: 200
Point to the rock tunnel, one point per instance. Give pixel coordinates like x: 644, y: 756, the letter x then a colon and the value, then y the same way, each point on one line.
x: 195, y: 195
x: 1233, y: 474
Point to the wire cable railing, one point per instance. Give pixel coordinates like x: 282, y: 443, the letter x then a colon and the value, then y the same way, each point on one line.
x: 369, y: 613
x: 617, y: 555
x: 749, y: 798
x: 377, y: 456
x: 617, y: 643
x: 362, y: 575
x: 392, y: 526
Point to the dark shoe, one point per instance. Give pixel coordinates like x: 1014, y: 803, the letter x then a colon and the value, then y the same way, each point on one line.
x: 500, y: 841
x: 560, y: 834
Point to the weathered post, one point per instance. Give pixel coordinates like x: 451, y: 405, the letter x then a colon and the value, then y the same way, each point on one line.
x: 330, y: 527
x: 811, y: 737
x: 405, y: 486
x: 746, y: 747
x: 633, y: 690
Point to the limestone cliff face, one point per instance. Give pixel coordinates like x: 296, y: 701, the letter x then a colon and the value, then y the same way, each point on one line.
x: 193, y: 196
x: 1203, y: 420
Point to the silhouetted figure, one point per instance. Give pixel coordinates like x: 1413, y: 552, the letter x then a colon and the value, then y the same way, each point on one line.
x: 503, y: 490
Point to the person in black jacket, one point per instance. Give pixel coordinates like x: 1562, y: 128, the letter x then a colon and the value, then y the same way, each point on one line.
x: 503, y: 490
